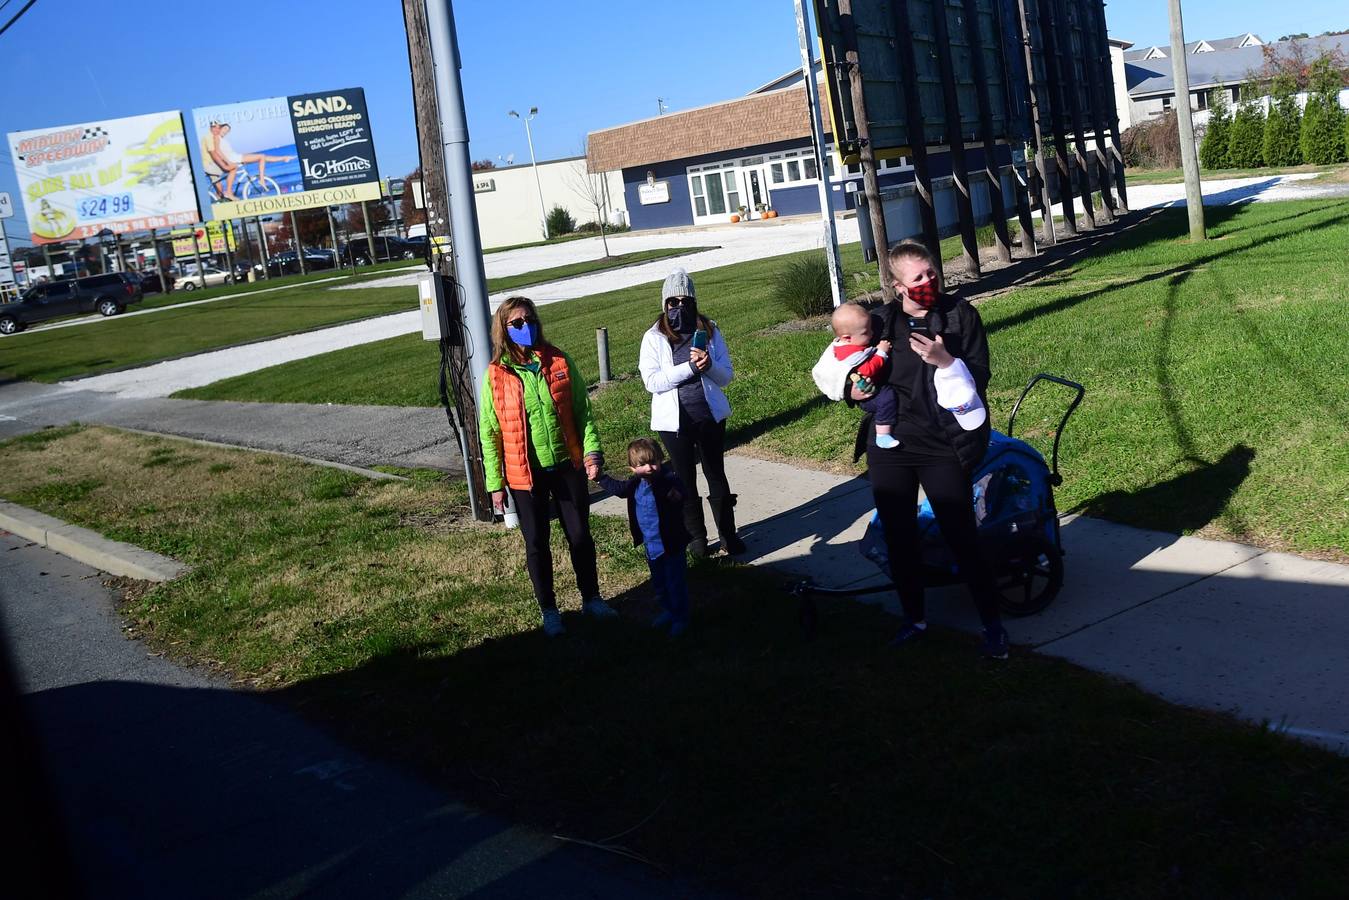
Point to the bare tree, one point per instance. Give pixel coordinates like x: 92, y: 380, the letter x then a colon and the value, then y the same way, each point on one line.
x: 592, y: 187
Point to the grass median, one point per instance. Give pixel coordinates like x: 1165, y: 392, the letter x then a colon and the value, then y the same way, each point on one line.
x: 745, y: 756
x: 1135, y: 177
x: 1215, y: 394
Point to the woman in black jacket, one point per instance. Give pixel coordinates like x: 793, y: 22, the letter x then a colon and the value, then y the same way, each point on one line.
x: 941, y: 447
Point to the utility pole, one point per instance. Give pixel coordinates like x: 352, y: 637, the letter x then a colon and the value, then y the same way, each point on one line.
x: 821, y: 157
x: 447, y: 184
x: 1180, y: 75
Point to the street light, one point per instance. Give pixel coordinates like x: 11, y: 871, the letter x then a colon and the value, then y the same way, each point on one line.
x: 534, y: 111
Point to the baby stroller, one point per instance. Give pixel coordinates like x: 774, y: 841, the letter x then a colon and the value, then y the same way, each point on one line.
x: 1018, y: 525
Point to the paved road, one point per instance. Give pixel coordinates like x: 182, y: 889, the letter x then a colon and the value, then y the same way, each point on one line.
x: 354, y: 435
x: 173, y: 785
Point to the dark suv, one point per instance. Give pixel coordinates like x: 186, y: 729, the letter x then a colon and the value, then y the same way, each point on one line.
x: 107, y: 295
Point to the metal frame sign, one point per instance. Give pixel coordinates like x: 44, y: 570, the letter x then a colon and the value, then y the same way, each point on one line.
x: 129, y: 174
x: 286, y: 153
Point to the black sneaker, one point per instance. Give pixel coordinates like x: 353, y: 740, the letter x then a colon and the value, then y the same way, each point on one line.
x: 995, y: 643
x: 909, y: 634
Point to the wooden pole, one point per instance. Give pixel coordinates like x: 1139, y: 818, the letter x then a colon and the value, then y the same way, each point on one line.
x: 1091, y: 57
x: 955, y: 138
x: 1059, y: 103
x: 1070, y: 82
x: 1108, y: 104
x: 1180, y: 76
x: 992, y: 171
x: 227, y: 232
x: 913, y: 114
x: 1037, y: 127
x: 332, y: 231
x: 463, y: 410
x: 262, y: 249
x: 1024, y: 183
x: 299, y: 244
x: 870, y: 184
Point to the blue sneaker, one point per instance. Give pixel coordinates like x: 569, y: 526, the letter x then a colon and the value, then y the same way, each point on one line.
x: 995, y: 643
x: 909, y: 634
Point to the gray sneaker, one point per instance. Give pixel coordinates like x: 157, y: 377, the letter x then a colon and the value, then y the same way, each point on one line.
x: 596, y: 607
x: 552, y: 623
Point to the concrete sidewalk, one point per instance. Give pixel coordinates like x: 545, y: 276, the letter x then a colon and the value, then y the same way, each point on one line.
x: 1208, y: 624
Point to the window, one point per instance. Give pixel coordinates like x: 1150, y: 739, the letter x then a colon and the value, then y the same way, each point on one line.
x: 898, y: 164
x: 1200, y: 99
x: 793, y: 167
x: 715, y: 189
x: 1166, y: 104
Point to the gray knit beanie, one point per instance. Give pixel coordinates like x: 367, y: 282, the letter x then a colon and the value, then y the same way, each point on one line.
x: 677, y: 284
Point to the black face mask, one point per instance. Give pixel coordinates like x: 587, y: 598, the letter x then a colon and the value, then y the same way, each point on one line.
x: 683, y: 319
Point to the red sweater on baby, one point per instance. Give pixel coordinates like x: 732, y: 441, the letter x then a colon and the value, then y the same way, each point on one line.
x: 870, y: 368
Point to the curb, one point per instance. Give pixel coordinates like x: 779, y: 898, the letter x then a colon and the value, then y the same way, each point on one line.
x: 88, y: 547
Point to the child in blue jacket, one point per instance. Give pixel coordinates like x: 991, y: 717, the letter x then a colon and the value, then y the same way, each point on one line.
x: 656, y: 517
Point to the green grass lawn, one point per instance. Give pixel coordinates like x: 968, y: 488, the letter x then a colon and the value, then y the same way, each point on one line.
x: 585, y: 267
x: 181, y: 330
x: 744, y: 756
x: 331, y: 276
x: 1176, y: 176
x: 1216, y: 396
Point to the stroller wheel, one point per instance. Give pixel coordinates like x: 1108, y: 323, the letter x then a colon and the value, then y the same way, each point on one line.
x: 1030, y: 581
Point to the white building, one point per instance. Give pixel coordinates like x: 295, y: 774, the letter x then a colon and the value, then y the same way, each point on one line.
x: 508, y: 199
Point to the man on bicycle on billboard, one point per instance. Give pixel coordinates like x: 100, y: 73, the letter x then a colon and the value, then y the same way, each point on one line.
x: 228, y: 162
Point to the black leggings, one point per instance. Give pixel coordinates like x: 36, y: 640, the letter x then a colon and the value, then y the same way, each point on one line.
x: 895, y: 486
x: 568, y: 486
x: 693, y: 440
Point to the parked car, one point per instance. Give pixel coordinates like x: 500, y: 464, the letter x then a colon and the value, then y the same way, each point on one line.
x: 287, y: 262
x: 213, y: 276
x: 152, y: 282
x: 107, y: 295
x: 357, y: 252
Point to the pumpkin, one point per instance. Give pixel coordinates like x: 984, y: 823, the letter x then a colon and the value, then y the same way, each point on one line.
x: 735, y: 218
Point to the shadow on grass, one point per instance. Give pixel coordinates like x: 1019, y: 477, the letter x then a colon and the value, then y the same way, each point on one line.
x: 1072, y: 300
x: 744, y: 756
x: 1185, y: 503
x: 738, y: 435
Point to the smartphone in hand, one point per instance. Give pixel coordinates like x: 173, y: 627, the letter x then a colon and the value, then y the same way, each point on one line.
x: 700, y: 340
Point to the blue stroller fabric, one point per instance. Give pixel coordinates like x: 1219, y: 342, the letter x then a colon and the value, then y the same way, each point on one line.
x: 1013, y: 502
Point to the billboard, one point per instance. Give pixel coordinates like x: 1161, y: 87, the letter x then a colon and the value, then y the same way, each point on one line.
x: 211, y: 238
x: 129, y: 174
x: 286, y: 153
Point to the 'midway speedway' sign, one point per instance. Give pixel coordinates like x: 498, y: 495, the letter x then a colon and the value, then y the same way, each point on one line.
x: 129, y: 174
x: 287, y: 153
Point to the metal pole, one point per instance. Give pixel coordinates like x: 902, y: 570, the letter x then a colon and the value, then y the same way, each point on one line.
x: 1041, y: 170
x: 534, y: 164
x: 332, y: 231
x: 1180, y: 74
x: 467, y: 244
x: 262, y: 250
x: 370, y: 232
x: 196, y: 251
x: 602, y: 349
x: 299, y: 244
x: 47, y: 255
x: 226, y: 236
x: 821, y: 157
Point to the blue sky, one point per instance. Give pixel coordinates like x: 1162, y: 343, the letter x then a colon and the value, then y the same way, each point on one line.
x: 583, y: 64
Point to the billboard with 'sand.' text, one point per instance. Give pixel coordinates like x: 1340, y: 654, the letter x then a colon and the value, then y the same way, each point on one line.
x: 286, y: 153
x: 129, y: 174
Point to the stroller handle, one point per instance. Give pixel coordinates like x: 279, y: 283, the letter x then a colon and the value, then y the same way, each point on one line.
x: 1054, y: 476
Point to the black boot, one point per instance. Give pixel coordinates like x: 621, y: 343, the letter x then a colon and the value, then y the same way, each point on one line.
x: 695, y: 526
x: 723, y: 511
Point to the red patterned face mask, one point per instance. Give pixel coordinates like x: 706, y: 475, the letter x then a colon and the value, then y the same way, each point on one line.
x: 925, y: 294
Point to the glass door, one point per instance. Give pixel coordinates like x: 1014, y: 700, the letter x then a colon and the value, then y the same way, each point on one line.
x: 715, y: 193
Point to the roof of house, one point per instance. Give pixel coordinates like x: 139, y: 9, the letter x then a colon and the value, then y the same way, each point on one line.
x: 733, y: 125
x: 1212, y: 69
x: 1157, y: 51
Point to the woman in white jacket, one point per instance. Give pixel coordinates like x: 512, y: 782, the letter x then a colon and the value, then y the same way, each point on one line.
x: 685, y: 364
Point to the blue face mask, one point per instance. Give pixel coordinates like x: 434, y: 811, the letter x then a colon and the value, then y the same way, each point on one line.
x: 524, y: 336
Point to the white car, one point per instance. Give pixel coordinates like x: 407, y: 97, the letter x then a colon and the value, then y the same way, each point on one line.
x: 190, y: 280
